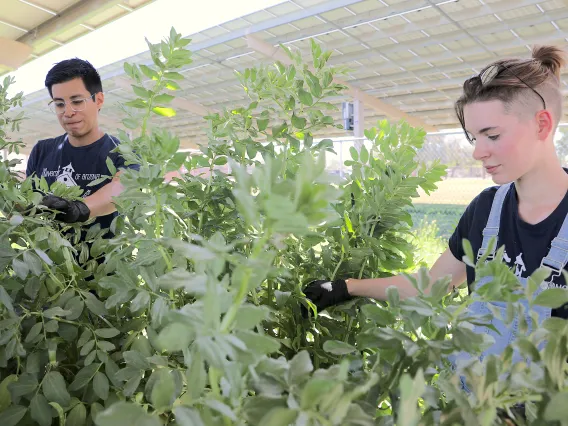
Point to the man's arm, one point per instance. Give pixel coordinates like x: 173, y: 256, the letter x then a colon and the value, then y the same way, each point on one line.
x: 100, y: 203
x: 376, y: 288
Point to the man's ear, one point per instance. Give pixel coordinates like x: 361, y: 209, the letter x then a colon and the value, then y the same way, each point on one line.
x: 99, y: 100
x: 545, y: 123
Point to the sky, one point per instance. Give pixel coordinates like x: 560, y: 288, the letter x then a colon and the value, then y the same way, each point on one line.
x: 125, y: 37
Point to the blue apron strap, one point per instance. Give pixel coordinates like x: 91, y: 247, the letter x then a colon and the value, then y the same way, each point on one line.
x: 493, y: 222
x: 557, y: 256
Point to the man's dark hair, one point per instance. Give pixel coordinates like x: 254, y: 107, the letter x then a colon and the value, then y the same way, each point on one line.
x: 70, y: 69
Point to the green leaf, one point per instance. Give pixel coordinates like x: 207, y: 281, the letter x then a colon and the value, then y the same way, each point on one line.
x: 248, y: 316
x: 34, y: 332
x: 222, y: 408
x: 314, y: 391
x: 552, y: 298
x: 196, y: 375
x: 354, y: 153
x: 262, y: 124
x: 6, y: 299
x: 5, y: 397
x: 300, y: 366
x: 83, y: 377
x: 298, y: 122
x: 12, y: 415
x: 305, y: 97
x: 107, y: 333
x: 25, y: 385
x: 105, y: 346
x: 77, y: 416
x: 136, y: 359
x: 337, y: 347
x: 164, y: 98
x: 55, y: 389
x: 101, y: 385
x: 557, y: 408
x: 186, y: 416
x: 163, y: 392
x: 110, y: 166
x: 40, y: 410
x: 149, y: 72
x: 126, y: 414
x: 279, y: 416
x: 165, y: 112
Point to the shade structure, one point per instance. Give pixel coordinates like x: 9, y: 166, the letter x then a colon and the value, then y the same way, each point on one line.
x: 13, y: 53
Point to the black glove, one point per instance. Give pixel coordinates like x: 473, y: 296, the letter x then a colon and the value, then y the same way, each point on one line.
x: 70, y: 211
x: 325, y: 293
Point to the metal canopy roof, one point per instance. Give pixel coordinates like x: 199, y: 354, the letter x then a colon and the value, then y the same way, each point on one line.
x: 409, y: 57
x: 47, y: 24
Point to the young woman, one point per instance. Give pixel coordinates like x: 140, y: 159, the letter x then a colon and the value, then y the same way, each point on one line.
x: 509, y: 112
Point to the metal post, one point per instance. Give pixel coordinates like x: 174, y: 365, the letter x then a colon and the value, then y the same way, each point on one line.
x: 358, y: 123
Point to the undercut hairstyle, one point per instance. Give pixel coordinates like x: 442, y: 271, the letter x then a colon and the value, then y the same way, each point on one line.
x: 71, y: 69
x: 533, y: 84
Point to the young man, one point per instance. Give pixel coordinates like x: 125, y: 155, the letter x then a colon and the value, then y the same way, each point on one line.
x: 78, y: 157
x: 510, y: 112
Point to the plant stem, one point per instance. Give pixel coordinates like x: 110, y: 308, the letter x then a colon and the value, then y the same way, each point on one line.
x: 338, y: 264
x: 232, y: 312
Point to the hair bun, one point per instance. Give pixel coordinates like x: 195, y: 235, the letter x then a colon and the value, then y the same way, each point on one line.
x: 551, y: 57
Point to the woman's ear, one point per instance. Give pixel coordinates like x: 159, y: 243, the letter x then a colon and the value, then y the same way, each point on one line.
x: 545, y: 123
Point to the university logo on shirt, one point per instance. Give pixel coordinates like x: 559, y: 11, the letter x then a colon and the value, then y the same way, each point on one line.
x: 520, y: 269
x: 66, y: 176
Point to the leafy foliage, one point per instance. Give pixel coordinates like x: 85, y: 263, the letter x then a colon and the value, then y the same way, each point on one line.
x: 191, y: 314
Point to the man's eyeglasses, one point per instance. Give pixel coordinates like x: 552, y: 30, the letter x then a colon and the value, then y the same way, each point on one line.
x: 58, y: 107
x: 486, y: 77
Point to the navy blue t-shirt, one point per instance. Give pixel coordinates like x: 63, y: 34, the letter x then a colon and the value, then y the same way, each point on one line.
x: 525, y: 244
x: 57, y: 160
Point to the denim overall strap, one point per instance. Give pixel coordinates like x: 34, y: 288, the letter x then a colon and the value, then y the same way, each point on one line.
x: 491, y: 229
x: 557, y: 256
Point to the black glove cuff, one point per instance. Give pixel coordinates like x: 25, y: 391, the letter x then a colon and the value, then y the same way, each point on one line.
x: 83, y: 211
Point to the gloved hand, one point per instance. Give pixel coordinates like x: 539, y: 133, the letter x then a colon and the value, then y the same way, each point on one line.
x: 325, y: 293
x: 70, y: 211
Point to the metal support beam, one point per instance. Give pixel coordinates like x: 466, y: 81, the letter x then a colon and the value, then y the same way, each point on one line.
x: 71, y: 17
x: 372, y: 102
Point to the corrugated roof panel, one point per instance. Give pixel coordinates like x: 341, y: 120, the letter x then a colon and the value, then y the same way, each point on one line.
x: 105, y: 16
x: 457, y: 45
x: 521, y: 12
x: 497, y: 37
x: 459, y: 7
x: 258, y: 17
x: 55, y: 5
x: 22, y: 14
x: 553, y: 5
x: 215, y: 32
x: 414, y: 35
x: 337, y: 14
x: 306, y: 23
x: 385, y: 24
x: 367, y: 6
x: 544, y: 28
x: 283, y: 30
x: 72, y: 33
x: 283, y: 8
x: 381, y: 42
x: 478, y: 22
x: 309, y: 3
x: 10, y: 32
x: 235, y: 24
x: 428, y: 50
x: 562, y: 23
x: 219, y: 48
x: 44, y: 46
x: 422, y: 14
x: 441, y: 29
